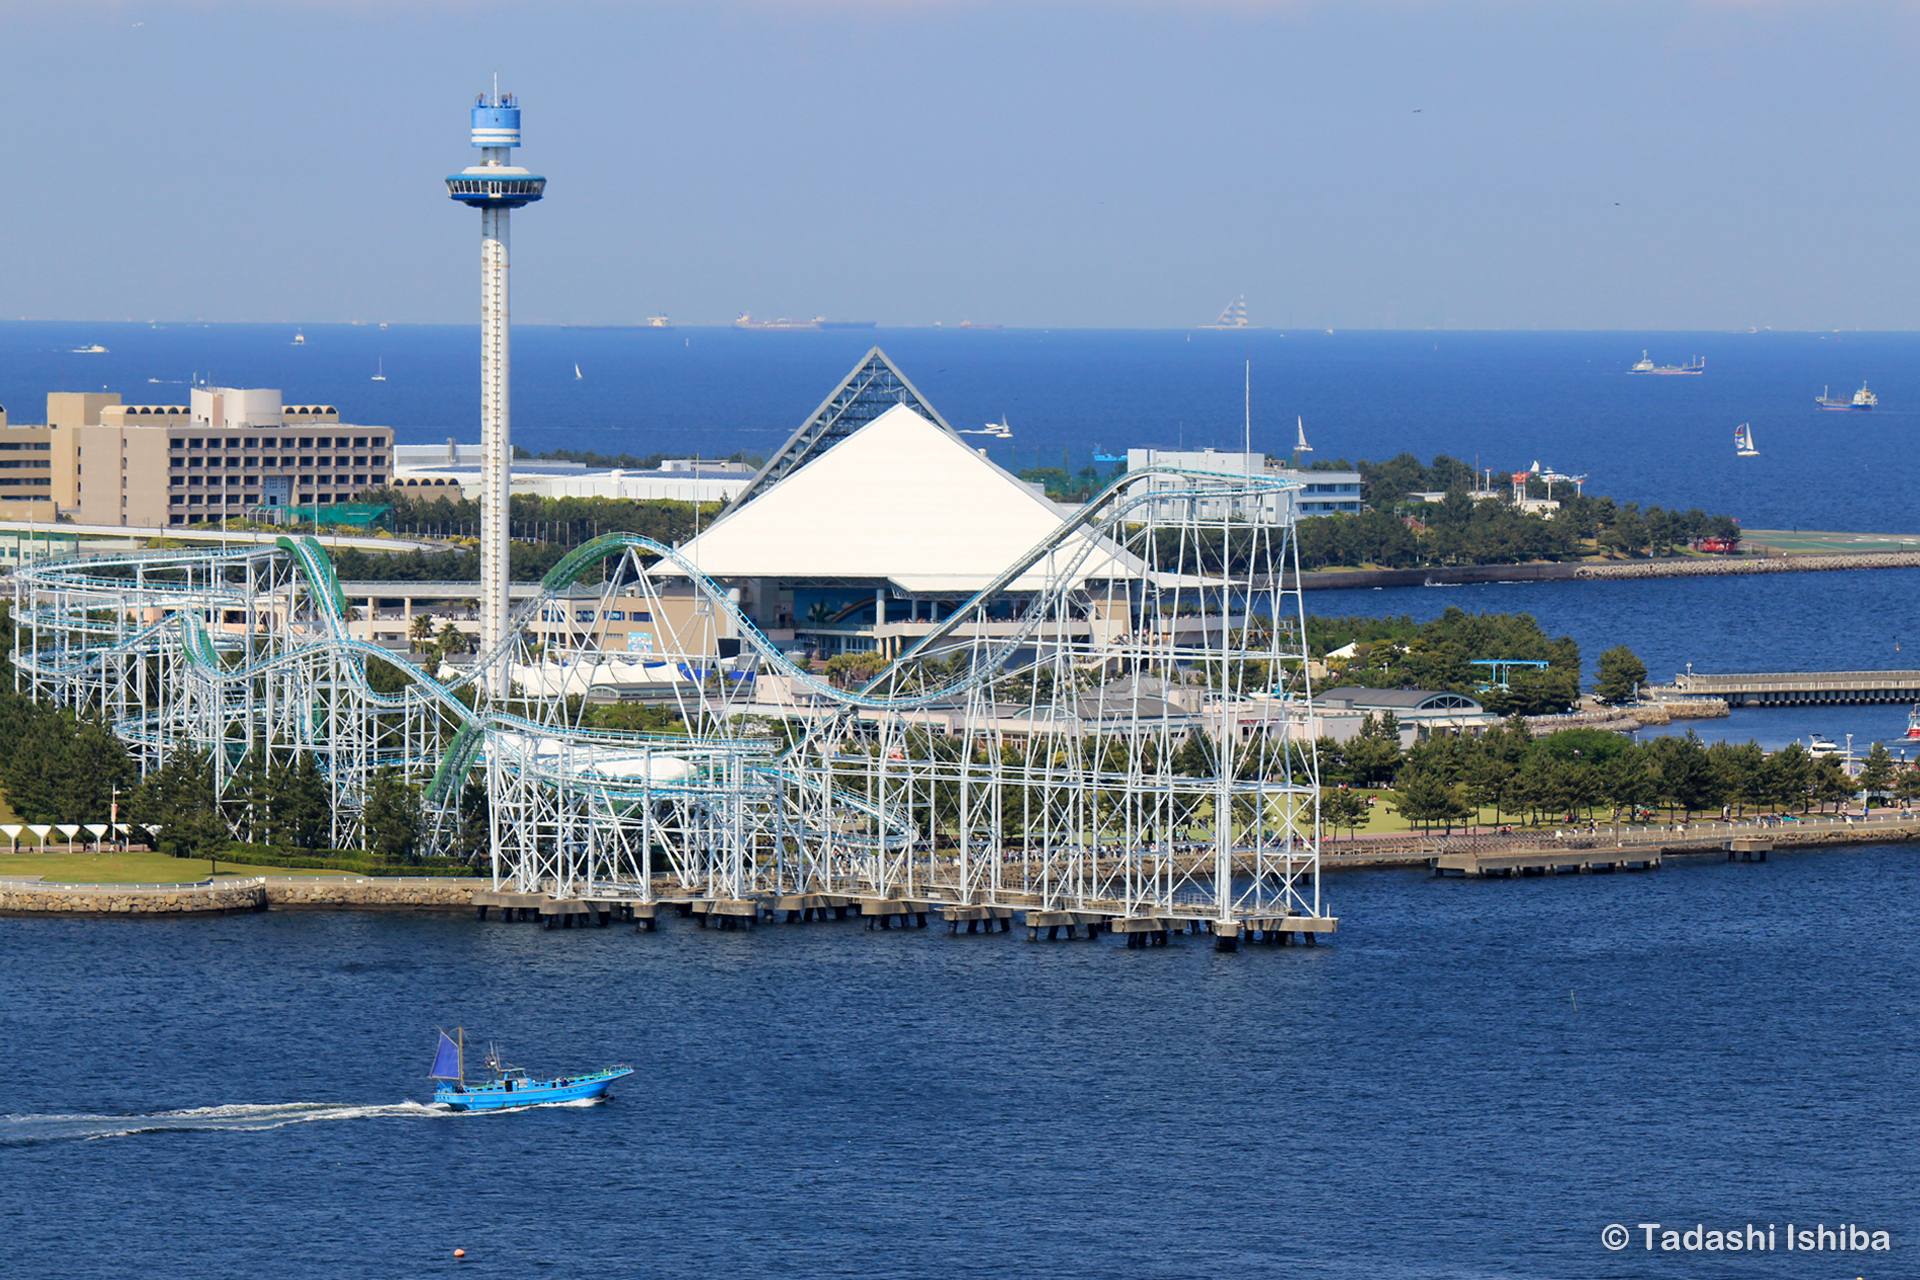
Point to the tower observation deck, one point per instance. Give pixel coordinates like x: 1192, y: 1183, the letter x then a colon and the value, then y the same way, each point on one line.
x: 495, y: 188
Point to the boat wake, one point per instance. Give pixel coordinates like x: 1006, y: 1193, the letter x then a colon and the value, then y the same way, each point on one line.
x: 26, y: 1130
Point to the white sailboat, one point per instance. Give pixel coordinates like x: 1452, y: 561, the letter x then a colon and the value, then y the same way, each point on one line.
x: 1300, y: 444
x: 576, y: 373
x: 381, y: 375
x: 1743, y: 441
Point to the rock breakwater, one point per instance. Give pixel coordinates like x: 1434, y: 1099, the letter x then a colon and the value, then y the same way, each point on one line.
x: 1691, y: 568
x: 221, y: 897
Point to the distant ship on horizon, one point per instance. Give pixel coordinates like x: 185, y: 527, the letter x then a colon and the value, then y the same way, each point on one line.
x: 1234, y: 316
x: 975, y: 324
x: 746, y: 321
x: 1646, y: 365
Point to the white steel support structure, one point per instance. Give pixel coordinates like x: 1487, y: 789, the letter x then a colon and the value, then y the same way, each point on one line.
x: 1113, y: 732
x: 496, y: 188
x: 496, y: 441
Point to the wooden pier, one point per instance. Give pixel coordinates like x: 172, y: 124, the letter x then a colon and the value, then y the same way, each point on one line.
x: 1793, y: 688
x: 1042, y: 920
x: 1546, y: 862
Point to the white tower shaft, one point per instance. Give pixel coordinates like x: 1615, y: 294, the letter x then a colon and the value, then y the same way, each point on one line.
x: 496, y: 445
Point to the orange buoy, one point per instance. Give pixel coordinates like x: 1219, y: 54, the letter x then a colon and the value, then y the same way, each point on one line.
x: 459, y: 1253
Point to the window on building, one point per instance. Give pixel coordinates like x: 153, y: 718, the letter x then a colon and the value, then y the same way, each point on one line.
x: 252, y: 443
x: 306, y: 442
x: 359, y: 442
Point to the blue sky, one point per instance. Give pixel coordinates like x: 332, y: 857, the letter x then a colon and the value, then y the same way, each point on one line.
x: 1394, y: 163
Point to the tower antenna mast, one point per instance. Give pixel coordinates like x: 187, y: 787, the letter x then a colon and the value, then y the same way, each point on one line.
x: 496, y: 188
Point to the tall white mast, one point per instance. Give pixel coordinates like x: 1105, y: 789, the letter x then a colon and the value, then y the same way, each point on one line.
x: 496, y: 188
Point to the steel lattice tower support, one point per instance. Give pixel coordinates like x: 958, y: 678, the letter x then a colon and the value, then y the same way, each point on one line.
x: 495, y: 188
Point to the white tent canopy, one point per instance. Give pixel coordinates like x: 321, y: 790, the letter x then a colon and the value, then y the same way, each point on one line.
x: 900, y: 500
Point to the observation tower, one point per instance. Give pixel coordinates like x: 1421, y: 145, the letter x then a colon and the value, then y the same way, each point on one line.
x: 495, y: 188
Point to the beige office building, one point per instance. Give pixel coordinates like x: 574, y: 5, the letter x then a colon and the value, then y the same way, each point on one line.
x: 26, y: 471
x: 228, y: 452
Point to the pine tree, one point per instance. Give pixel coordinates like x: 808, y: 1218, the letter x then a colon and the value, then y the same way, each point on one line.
x: 392, y: 817
x: 1621, y: 675
x: 180, y: 800
x: 1876, y: 776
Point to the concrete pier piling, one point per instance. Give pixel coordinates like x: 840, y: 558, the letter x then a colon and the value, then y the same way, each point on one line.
x: 801, y: 908
x: 1054, y: 921
x: 1144, y: 931
x: 978, y: 919
x: 881, y: 912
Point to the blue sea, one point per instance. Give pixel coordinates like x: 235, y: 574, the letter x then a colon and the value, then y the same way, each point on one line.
x: 1473, y: 1080
x: 1503, y: 400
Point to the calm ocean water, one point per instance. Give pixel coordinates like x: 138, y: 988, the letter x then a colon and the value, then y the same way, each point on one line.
x: 1472, y: 1081
x: 1506, y: 399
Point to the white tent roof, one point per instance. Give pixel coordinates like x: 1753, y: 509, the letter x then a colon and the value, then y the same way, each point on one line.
x: 901, y: 500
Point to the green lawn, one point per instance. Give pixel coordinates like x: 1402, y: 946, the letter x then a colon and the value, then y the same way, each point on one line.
x: 129, y: 868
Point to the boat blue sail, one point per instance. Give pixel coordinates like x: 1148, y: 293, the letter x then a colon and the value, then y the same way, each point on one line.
x: 446, y: 1062
x: 508, y: 1086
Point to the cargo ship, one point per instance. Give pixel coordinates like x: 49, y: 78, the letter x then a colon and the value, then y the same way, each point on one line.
x: 1862, y: 399
x: 1646, y: 365
x: 746, y: 321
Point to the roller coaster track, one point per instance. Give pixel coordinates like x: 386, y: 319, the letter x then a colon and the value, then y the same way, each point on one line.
x: 152, y: 642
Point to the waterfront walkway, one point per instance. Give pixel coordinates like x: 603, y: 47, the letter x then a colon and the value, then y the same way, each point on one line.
x: 1793, y: 688
x: 1626, y: 843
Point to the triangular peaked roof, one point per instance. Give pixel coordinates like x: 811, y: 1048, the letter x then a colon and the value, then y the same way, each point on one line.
x: 902, y: 500
x: 873, y: 387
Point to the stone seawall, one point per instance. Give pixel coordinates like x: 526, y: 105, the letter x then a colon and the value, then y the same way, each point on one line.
x: 342, y: 893
x: 23, y: 897
x: 1768, y: 564
x: 1679, y: 567
x: 258, y: 893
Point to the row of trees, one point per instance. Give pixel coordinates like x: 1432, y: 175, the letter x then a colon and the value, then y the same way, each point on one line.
x: 274, y: 798
x: 55, y: 766
x: 1574, y: 772
x: 1459, y: 530
x: 544, y: 531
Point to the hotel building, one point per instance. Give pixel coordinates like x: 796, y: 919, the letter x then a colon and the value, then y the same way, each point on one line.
x: 228, y: 452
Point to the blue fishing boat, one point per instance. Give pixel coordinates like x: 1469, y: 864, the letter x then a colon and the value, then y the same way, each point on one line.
x: 507, y: 1086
